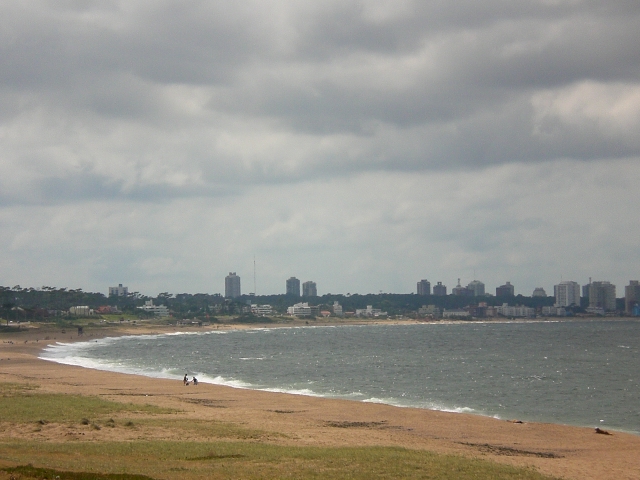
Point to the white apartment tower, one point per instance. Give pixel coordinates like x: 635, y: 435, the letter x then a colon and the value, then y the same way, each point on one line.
x: 567, y: 293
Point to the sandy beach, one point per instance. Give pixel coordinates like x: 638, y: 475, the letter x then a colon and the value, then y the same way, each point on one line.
x: 562, y: 451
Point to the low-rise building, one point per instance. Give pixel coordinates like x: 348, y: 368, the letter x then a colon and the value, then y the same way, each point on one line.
x: 81, y: 311
x: 518, y: 311
x: 158, y: 310
x: 429, y: 311
x: 303, y: 310
x: 553, y: 311
x: 107, y: 309
x: 261, y: 310
x: 595, y: 311
x: 456, y: 313
x: 370, y: 312
x: 337, y: 309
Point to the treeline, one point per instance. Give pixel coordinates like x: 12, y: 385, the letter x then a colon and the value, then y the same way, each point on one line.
x: 34, y: 304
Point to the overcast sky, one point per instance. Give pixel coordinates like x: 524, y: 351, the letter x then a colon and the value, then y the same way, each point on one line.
x: 364, y: 145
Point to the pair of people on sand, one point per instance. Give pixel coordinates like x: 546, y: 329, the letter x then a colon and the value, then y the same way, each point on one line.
x: 185, y: 380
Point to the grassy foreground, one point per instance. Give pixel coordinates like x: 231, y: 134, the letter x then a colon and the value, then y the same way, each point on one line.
x: 79, y: 438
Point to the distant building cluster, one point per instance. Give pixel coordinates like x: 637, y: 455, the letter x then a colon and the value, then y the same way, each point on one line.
x: 596, y: 298
x: 292, y: 288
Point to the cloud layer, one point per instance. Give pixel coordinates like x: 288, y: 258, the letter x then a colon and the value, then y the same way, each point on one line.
x: 363, y: 145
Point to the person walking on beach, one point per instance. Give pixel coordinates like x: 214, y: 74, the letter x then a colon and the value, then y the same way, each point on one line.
x: 195, y: 381
x: 185, y: 380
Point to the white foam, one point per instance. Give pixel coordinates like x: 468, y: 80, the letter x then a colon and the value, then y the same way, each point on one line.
x: 305, y: 391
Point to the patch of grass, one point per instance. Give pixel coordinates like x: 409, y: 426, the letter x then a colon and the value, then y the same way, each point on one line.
x: 252, y: 460
x: 207, y: 429
x: 29, y: 472
x: 26, y: 407
x: 15, y: 389
x: 8, y: 328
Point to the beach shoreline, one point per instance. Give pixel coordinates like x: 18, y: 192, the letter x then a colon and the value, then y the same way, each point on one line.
x: 559, y: 450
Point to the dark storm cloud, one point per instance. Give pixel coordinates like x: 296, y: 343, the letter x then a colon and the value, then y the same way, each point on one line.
x: 195, y: 95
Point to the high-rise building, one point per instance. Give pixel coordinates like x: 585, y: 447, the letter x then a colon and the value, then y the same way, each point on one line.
x: 631, y: 296
x: 602, y: 295
x: 232, y: 285
x: 424, y: 287
x: 567, y: 293
x: 476, y: 288
x: 585, y: 290
x: 118, y: 291
x: 505, y: 290
x: 440, y: 290
x: 309, y: 289
x: 293, y: 287
x: 459, y: 290
x: 539, y: 292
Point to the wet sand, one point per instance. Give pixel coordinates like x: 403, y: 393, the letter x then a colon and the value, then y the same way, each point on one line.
x: 563, y: 451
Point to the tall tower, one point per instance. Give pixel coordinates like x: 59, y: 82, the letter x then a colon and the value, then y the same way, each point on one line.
x: 293, y: 287
x: 602, y: 295
x: 567, y: 293
x: 440, y: 290
x: 475, y: 288
x: 424, y: 287
x: 232, y: 285
x: 631, y: 296
x: 505, y: 290
x: 309, y: 289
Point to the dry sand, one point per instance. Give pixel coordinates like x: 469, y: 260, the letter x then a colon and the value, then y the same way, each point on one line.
x: 563, y: 451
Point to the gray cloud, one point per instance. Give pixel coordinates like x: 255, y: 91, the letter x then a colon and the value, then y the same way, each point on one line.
x: 209, y: 104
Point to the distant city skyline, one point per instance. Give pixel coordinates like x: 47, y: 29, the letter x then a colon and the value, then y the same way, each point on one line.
x: 294, y: 287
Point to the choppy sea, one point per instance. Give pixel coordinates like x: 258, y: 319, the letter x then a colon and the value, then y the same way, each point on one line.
x: 569, y: 372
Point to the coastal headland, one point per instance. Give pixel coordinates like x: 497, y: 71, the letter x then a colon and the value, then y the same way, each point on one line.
x: 219, y: 418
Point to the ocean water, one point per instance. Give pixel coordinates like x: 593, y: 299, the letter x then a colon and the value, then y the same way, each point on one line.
x: 570, y: 372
